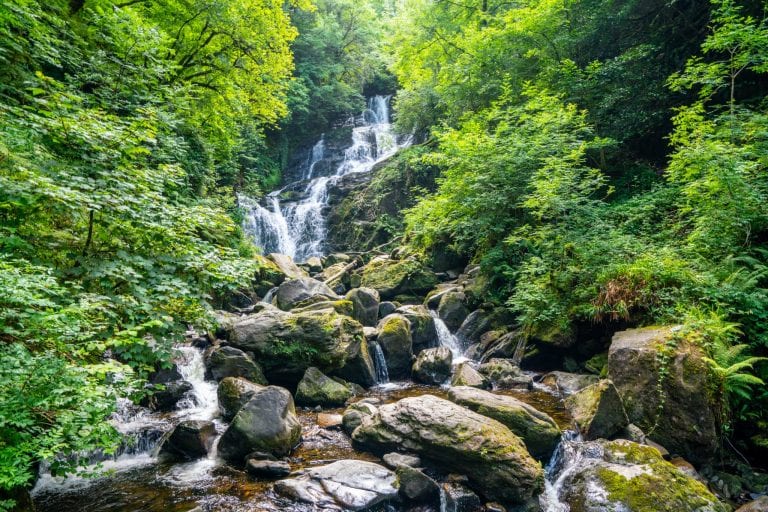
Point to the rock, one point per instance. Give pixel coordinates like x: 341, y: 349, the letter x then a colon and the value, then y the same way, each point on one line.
x: 758, y: 505
x: 231, y: 362
x: 343, y: 485
x: 190, y: 440
x: 538, y: 431
x: 452, y: 310
x: 465, y: 375
x: 267, y: 423
x: 165, y: 375
x: 416, y: 487
x: 505, y: 374
x: 460, y: 499
x: 505, y: 346
x: 481, y: 321
x: 318, y: 389
x: 365, y: 305
x: 456, y: 439
x: 432, y: 301
x: 371, y: 333
x: 396, y: 343
x: 356, y: 414
x: 622, y: 475
x: 387, y: 308
x: 433, y: 366
x: 686, y: 424
x: 336, y: 258
x: 165, y: 399
x: 359, y: 367
x: 287, y: 266
x: 319, y: 303
x: 597, y: 410
x: 329, y: 421
x: 296, y: 291
x: 314, y: 264
x: 397, y: 460
x: 234, y: 393
x: 287, y: 344
x: 267, y: 468
x: 423, y: 330
x: 568, y: 383
x: 392, y: 277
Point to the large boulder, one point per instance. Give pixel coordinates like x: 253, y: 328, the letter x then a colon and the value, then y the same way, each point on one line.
x: 342, y: 485
x: 267, y: 423
x: 295, y: 291
x: 664, y: 382
x: 433, y: 366
x: 457, y: 440
x: 189, y: 440
x: 233, y: 394
x: 423, y: 329
x: 396, y: 343
x: 359, y: 367
x: 622, y: 475
x: 505, y: 374
x: 225, y: 362
x: 287, y: 266
x: 452, y: 309
x: 397, y: 277
x: 365, y: 305
x: 538, y: 431
x: 466, y: 375
x: 287, y: 344
x: 416, y: 487
x: 597, y: 410
x: 318, y: 389
x: 356, y: 414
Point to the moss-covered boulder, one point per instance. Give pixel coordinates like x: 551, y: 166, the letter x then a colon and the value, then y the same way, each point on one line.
x: 359, y: 367
x: 233, y: 394
x: 452, y: 309
x: 466, y: 375
x: 295, y: 291
x: 365, y: 305
x: 318, y: 389
x: 189, y: 440
x: 225, y: 362
x: 597, y: 410
x: 423, y: 329
x: 396, y: 343
x: 538, y: 430
x: 356, y: 414
x: 663, y: 381
x: 433, y: 366
x: 397, y: 277
x: 285, y: 265
x: 629, y: 477
x: 505, y: 374
x: 458, y: 440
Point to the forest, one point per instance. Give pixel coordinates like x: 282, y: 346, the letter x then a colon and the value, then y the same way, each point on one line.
x: 602, y: 164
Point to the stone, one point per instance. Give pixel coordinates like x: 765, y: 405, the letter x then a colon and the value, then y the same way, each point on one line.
x: 329, y: 421
x: 433, y: 366
x: 396, y: 460
x: 314, y: 264
x: 423, y: 329
x: 396, y: 343
x: 287, y: 266
x: 267, y: 423
x: 233, y: 394
x: 165, y: 399
x: 758, y: 505
x: 335, y: 258
x: 232, y: 362
x: 296, y: 291
x: 455, y: 438
x: 432, y: 300
x: 267, y: 468
x: 359, y: 367
x: 356, y: 414
x: 505, y: 374
x: 365, y: 305
x: 687, y: 423
x: 460, y: 499
x: 416, y: 487
x: 452, y: 309
x: 342, y: 485
x: 397, y: 277
x: 316, y: 388
x: 538, y: 430
x: 189, y: 440
x: 566, y: 383
x: 505, y: 346
x: 466, y: 375
x: 622, y: 475
x: 387, y: 308
x: 481, y: 321
x: 597, y: 410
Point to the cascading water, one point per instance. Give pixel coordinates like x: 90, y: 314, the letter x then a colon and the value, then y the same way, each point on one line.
x: 297, y: 228
x: 565, y: 460
x: 380, y: 363
x: 446, y: 338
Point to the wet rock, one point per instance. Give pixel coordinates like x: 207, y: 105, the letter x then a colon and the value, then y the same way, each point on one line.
x: 466, y: 375
x: 231, y: 362
x: 233, y: 394
x: 296, y: 291
x: 568, y: 383
x: 287, y: 266
x: 267, y: 468
x: 316, y: 388
x: 504, y: 346
x: 165, y: 375
x: 267, y: 423
x: 397, y: 460
x: 190, y: 440
x: 423, y: 330
x: 433, y: 366
x: 597, y: 410
x: 387, y: 308
x: 396, y: 343
x: 456, y: 439
x: 686, y: 423
x: 397, y: 277
x: 505, y: 374
x: 356, y: 414
x: 758, y: 505
x: 538, y: 430
x: 365, y: 305
x: 481, y: 321
x: 314, y: 264
x: 622, y: 475
x: 329, y: 421
x: 343, y: 485
x: 416, y: 487
x: 452, y: 309
x: 359, y: 367
x: 460, y: 499
x: 165, y: 399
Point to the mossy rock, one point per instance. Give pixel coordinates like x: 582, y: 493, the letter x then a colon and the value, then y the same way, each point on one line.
x: 318, y: 389
x: 397, y: 277
x: 397, y: 344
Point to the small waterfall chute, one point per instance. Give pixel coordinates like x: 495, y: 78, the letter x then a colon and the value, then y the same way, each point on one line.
x: 445, y: 338
x: 564, y: 461
x: 380, y: 363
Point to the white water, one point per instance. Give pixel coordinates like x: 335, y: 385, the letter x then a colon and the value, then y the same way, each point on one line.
x: 564, y: 462
x: 298, y: 228
x: 446, y: 338
x: 380, y: 362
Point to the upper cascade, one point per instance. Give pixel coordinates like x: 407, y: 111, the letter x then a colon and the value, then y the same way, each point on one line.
x: 297, y: 227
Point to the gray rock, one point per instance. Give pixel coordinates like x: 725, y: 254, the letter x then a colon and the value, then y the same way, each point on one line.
x: 316, y: 388
x: 452, y: 309
x: 433, y: 366
x: 287, y: 266
x: 189, y: 440
x: 231, y: 362
x: 396, y: 460
x: 505, y: 374
x: 359, y: 367
x: 315, y: 264
x: 356, y: 414
x: 365, y: 305
x: 267, y: 468
x: 396, y: 343
x: 166, y: 399
x: 568, y: 383
x: 460, y: 499
x: 416, y: 487
x: 386, y: 309
x: 466, y: 375
x: 423, y: 330
x: 233, y: 394
x: 597, y: 410
x: 292, y: 292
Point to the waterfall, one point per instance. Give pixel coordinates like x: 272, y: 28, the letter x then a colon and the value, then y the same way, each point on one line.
x: 297, y: 227
x: 269, y: 296
x: 445, y: 338
x: 564, y: 462
x: 203, y: 402
x: 380, y: 363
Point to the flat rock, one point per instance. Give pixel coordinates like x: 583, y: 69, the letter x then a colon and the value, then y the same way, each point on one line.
x: 395, y: 460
